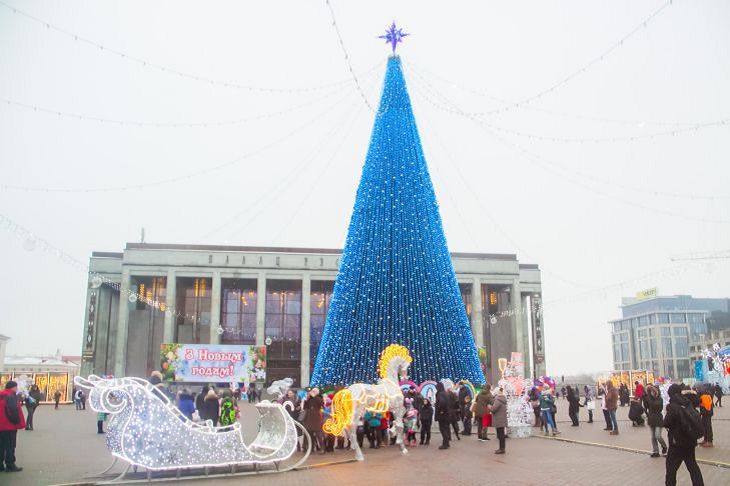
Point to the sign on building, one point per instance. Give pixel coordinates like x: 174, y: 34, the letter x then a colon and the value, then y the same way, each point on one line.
x: 646, y: 294
x: 213, y: 363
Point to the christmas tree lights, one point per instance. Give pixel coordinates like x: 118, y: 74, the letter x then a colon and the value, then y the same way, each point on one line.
x: 396, y: 282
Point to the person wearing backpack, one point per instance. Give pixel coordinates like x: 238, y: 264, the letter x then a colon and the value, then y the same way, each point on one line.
x: 707, y: 411
x: 684, y: 425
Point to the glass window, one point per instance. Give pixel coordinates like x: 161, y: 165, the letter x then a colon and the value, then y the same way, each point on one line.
x: 643, y: 321
x: 283, y: 327
x: 193, y: 310
x: 465, y: 289
x: 652, y: 319
x: 667, y: 347
x: 625, y: 352
x: 677, y: 318
x: 683, y: 368
x: 238, y: 311
x: 679, y: 331
x: 320, y: 299
x: 666, y: 331
x: 681, y: 345
x: 146, y: 324
x: 663, y: 318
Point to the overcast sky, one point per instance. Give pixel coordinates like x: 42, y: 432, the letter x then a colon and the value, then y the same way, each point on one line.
x: 603, y: 219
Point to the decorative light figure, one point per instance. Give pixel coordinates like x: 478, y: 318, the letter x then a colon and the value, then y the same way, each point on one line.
x: 393, y: 36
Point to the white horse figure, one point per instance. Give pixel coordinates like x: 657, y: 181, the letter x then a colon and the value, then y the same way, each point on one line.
x: 351, y: 403
x: 146, y: 429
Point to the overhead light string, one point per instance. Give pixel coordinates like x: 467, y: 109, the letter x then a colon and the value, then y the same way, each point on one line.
x: 560, y: 139
x: 166, y: 69
x: 175, y: 179
x: 347, y: 57
x: 154, y: 124
x: 584, y: 68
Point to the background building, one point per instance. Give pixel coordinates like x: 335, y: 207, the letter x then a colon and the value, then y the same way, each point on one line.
x: 3, y: 346
x: 50, y: 373
x: 278, y: 297
x: 662, y: 334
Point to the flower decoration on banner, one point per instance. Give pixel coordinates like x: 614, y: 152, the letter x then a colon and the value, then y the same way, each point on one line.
x: 146, y: 429
x: 350, y: 404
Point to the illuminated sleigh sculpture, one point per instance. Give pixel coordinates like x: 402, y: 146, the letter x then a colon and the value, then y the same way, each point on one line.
x: 351, y: 403
x: 146, y: 429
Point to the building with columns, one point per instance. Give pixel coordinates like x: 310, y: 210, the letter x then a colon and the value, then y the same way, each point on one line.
x: 171, y: 293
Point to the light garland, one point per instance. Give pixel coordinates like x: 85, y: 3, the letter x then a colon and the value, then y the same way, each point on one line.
x: 347, y: 56
x: 516, y: 389
x: 154, y: 124
x: 396, y: 281
x: 350, y: 404
x: 147, y: 430
x: 166, y: 69
x: 337, y: 103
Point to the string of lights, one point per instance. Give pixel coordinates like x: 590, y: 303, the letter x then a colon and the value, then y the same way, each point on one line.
x: 354, y: 116
x: 182, y: 177
x: 167, y: 69
x: 551, y: 138
x: 32, y: 241
x: 347, y: 56
x: 453, y: 163
x: 156, y: 124
x: 584, y: 68
x: 280, y: 187
x: 634, y: 123
x: 544, y: 163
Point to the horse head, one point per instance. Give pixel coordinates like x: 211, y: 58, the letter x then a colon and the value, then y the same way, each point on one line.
x: 394, y: 362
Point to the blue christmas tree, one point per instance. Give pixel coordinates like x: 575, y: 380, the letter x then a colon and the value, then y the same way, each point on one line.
x: 396, y: 282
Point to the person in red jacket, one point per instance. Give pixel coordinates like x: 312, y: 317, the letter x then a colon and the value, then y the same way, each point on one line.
x: 11, y: 419
x: 639, y: 390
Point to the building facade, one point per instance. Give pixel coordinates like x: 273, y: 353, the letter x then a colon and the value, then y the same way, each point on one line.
x: 656, y: 334
x: 151, y: 294
x: 50, y: 373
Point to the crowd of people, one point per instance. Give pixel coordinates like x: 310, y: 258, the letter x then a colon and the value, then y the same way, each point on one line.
x: 687, y: 415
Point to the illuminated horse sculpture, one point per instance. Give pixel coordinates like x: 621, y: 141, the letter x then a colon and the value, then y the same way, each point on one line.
x: 146, y: 429
x: 350, y: 404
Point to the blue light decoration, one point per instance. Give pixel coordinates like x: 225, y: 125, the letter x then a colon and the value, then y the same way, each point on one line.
x: 396, y: 282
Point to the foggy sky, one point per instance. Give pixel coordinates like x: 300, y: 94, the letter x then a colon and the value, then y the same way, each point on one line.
x: 596, y: 216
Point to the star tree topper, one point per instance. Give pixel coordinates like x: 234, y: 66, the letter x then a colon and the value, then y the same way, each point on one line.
x: 393, y: 36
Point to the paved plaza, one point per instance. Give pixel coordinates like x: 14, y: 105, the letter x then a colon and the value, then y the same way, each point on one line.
x: 65, y: 448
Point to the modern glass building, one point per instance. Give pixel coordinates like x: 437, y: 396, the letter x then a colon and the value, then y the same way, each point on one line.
x: 279, y: 297
x: 655, y: 334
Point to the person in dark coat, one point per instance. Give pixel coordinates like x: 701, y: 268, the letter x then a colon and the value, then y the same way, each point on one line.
x: 426, y: 418
x: 31, y: 403
x: 681, y: 446
x: 499, y: 418
x: 718, y: 394
x: 443, y: 415
x: 313, y: 408
x: 464, y: 407
x: 654, y: 405
x: 211, y: 407
x: 11, y: 420
x: 573, y: 405
x: 454, y: 411
x: 200, y: 398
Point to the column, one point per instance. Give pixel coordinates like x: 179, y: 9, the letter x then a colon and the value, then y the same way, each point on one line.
x: 477, y: 325
x: 306, y: 329
x: 260, y: 309
x: 120, y: 358
x: 168, y: 332
x: 215, y: 308
x: 516, y: 309
x: 524, y: 331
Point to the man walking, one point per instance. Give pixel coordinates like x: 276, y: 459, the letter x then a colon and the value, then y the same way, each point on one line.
x: 11, y: 419
x: 681, y: 419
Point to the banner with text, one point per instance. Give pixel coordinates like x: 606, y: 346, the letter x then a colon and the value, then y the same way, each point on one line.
x: 213, y: 363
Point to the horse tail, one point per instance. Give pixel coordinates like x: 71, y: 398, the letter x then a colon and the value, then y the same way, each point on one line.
x: 341, y: 415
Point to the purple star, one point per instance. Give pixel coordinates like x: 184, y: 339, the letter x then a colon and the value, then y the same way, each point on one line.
x: 393, y: 36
